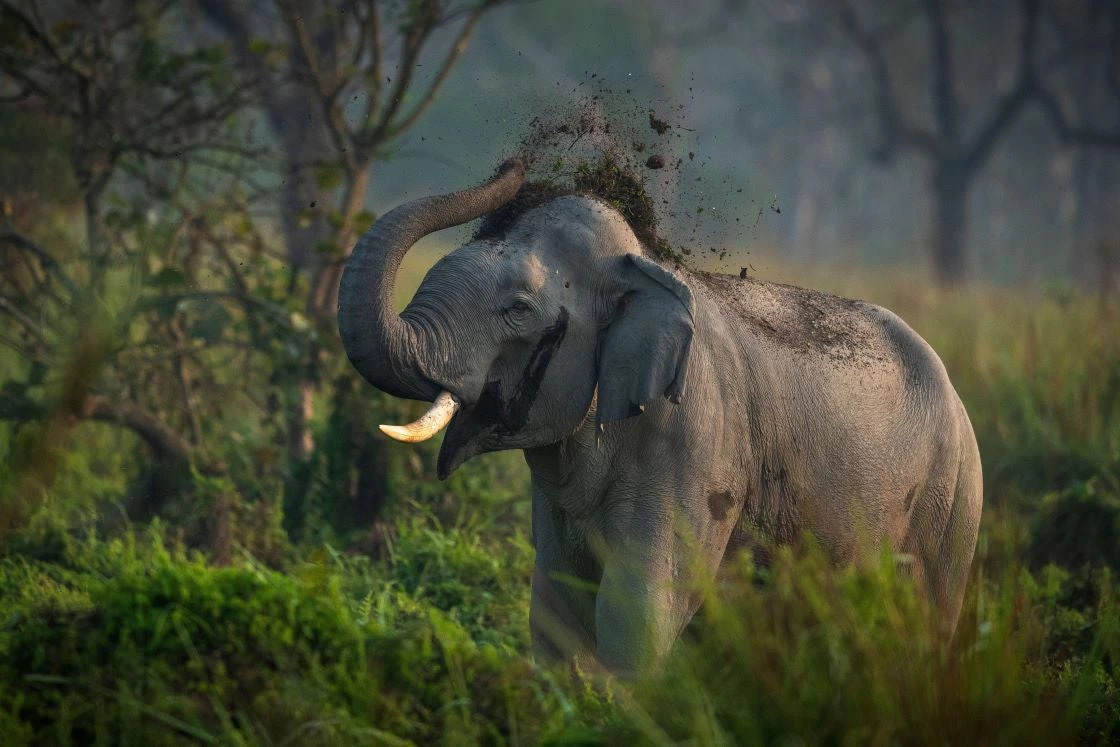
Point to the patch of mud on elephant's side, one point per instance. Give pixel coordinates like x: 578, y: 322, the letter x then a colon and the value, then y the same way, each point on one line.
x: 720, y: 504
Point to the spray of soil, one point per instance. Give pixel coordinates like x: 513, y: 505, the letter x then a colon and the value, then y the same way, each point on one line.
x: 644, y: 161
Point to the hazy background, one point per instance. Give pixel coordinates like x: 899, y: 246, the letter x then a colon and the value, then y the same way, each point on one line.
x: 782, y: 101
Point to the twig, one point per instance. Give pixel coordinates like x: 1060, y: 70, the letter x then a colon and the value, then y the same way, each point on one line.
x: 48, y: 262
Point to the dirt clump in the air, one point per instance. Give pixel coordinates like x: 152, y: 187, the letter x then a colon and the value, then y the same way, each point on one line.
x: 605, y: 180
x: 644, y: 161
x: 625, y: 191
x: 682, y: 206
x: 532, y: 194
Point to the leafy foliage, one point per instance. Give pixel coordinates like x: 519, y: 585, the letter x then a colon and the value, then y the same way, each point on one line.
x: 418, y: 631
x: 203, y: 538
x: 167, y: 647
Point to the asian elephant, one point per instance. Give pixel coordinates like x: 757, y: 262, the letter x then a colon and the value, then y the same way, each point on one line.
x: 669, y: 417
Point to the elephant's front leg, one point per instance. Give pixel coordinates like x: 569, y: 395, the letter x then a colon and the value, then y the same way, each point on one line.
x: 651, y: 583
x: 636, y: 613
x: 562, y: 610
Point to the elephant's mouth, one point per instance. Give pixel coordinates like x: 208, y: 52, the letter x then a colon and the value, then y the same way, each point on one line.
x: 492, y: 414
x: 493, y: 420
x: 454, y: 450
x: 463, y: 426
x: 466, y: 433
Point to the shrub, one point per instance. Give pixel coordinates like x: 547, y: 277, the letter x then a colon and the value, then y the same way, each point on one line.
x: 801, y: 654
x: 174, y: 649
x: 1078, y: 527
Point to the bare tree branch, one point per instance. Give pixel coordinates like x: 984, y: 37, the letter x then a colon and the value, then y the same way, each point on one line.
x: 1017, y: 98
x: 158, y: 436
x: 1071, y: 133
x: 1066, y: 130
x: 453, y: 55
x: 376, y: 53
x: 45, y: 259
x: 183, y: 379
x: 32, y: 327
x: 162, y: 440
x: 943, y: 98
x: 37, y: 29
x: 895, y: 131
x: 327, y: 91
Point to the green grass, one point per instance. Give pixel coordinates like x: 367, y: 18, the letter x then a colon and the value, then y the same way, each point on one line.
x: 416, y: 631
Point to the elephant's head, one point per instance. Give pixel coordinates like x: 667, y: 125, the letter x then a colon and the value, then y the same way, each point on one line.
x: 512, y: 334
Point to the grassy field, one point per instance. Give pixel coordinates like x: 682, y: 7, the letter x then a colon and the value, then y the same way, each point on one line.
x: 416, y: 631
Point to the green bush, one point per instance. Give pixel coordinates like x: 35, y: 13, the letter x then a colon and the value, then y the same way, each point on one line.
x: 215, y: 623
x: 1078, y: 527
x: 800, y: 654
x: 136, y: 641
x: 173, y: 647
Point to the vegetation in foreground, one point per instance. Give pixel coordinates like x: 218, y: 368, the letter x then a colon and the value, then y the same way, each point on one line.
x: 416, y: 630
x: 204, y: 540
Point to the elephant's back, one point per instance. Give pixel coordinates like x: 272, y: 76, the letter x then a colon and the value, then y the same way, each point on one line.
x: 802, y: 321
x: 853, y: 366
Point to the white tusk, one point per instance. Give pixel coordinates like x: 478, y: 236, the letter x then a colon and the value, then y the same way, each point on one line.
x: 429, y: 424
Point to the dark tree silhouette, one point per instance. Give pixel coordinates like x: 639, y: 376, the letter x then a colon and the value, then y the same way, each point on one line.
x: 957, y: 150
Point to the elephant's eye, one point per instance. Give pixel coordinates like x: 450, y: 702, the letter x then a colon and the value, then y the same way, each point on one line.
x: 517, y: 310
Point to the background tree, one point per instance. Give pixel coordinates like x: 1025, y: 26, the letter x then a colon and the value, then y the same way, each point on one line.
x: 146, y: 121
x: 134, y: 319
x: 347, y: 83
x: 157, y: 136
x: 953, y: 132
x: 347, y: 80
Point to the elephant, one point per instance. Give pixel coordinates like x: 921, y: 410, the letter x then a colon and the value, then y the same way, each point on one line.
x: 670, y: 418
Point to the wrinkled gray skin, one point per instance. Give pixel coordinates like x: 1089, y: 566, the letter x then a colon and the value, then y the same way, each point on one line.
x: 769, y: 411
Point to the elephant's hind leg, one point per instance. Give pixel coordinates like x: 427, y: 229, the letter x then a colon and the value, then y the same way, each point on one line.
x: 941, y: 537
x: 958, y: 542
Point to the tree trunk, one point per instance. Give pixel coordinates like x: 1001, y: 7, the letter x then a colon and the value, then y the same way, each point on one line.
x: 950, y: 217
x: 301, y: 408
x: 322, y: 304
x: 370, y: 490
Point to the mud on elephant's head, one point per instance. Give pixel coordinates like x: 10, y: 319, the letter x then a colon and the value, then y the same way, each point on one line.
x: 512, y: 334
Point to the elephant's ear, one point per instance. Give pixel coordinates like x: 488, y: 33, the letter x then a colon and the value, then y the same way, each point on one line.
x: 644, y: 352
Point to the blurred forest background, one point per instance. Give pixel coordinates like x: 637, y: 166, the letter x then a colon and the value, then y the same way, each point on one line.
x: 203, y: 538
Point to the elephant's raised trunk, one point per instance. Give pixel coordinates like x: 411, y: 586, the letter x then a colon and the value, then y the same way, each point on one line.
x: 386, y: 349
